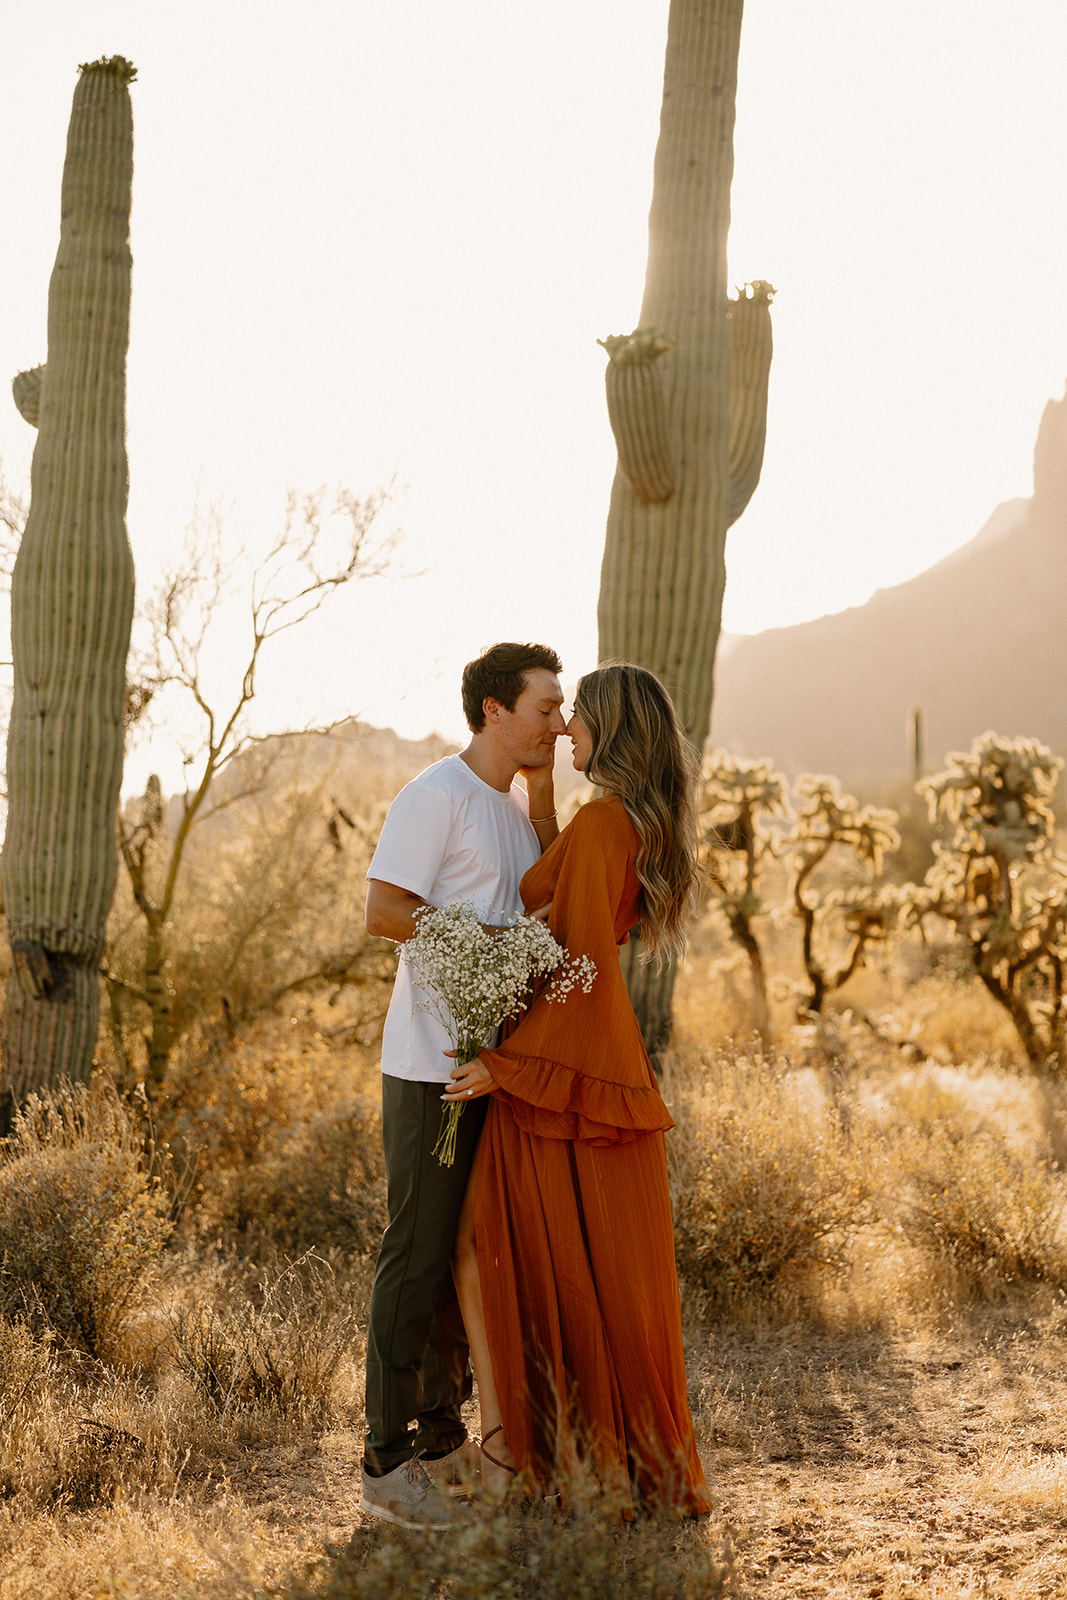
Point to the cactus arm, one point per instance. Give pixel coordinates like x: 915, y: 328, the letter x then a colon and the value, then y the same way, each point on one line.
x: 637, y: 411
x: 71, y: 608
x: 750, y: 366
x: 26, y: 389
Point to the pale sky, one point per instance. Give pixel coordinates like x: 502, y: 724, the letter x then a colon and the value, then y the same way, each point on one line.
x: 374, y: 240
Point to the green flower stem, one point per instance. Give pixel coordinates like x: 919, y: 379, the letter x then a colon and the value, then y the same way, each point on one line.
x: 445, y: 1148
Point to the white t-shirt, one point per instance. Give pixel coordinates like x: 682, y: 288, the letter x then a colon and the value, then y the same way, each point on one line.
x: 448, y: 836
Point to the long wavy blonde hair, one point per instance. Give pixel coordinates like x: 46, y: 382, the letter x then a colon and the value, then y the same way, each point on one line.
x: 640, y: 752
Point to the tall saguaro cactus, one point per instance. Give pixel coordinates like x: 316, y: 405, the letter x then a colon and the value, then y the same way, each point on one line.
x: 71, y: 610
x: 687, y: 399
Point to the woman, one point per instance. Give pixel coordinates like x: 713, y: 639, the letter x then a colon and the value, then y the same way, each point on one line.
x: 565, y: 1257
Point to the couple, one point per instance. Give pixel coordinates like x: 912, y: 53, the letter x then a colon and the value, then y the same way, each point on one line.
x: 546, y: 1250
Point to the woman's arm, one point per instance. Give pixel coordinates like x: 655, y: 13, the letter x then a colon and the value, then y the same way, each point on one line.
x: 540, y: 791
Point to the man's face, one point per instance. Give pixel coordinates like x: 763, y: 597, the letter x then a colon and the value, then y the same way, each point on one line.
x: 528, y: 733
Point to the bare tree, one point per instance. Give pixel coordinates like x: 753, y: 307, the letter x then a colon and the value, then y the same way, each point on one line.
x: 288, y: 586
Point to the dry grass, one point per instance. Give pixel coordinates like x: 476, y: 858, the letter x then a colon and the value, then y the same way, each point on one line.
x: 878, y: 1399
x: 527, y: 1554
x: 907, y: 1463
x: 273, y: 1341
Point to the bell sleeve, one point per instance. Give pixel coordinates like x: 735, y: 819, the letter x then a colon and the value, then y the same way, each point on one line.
x: 576, y: 1068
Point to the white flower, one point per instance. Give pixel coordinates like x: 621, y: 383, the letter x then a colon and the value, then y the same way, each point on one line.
x: 577, y: 972
x: 473, y: 978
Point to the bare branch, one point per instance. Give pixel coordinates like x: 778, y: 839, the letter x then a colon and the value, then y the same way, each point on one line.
x: 309, y: 560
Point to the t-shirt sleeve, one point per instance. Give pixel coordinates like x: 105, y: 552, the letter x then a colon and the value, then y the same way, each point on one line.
x: 414, y: 840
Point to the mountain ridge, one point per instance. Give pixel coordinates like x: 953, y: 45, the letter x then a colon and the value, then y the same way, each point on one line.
x: 977, y: 640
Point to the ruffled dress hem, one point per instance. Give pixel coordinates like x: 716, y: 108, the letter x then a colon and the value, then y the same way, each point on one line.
x: 555, y: 1102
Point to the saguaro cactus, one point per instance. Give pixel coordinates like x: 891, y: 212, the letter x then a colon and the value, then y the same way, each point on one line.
x: 687, y: 397
x: 71, y: 609
x: 687, y: 390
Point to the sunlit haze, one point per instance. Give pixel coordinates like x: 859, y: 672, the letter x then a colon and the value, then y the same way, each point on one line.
x: 375, y: 241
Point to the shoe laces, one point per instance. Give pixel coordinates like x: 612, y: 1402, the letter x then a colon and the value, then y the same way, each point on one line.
x: 416, y: 1474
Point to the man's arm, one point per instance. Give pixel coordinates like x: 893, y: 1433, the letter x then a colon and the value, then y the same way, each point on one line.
x: 391, y: 910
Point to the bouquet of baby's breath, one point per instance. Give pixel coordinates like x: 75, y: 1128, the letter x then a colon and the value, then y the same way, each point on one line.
x: 473, y: 978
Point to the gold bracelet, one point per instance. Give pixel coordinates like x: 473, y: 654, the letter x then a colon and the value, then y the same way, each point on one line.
x: 551, y: 814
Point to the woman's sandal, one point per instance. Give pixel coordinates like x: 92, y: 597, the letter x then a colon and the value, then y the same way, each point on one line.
x: 503, y: 1489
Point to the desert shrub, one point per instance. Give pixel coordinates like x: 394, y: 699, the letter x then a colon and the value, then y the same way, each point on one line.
x: 836, y: 852
x: 925, y: 1102
x: 268, y: 904
x: 83, y: 1219
x: 276, y: 1344
x: 763, y: 1185
x: 979, y: 1202
x: 320, y: 1190
x: 96, y: 1463
x: 283, y: 1130
x: 527, y: 1556
x: 948, y: 1013
x: 739, y: 805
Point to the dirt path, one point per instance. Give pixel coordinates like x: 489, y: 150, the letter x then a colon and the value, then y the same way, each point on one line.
x: 892, y: 1468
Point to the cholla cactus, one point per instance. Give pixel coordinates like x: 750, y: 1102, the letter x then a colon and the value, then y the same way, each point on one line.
x: 747, y: 820
x: 1001, y: 885
x: 71, y: 609
x: 738, y: 800
x: 829, y: 822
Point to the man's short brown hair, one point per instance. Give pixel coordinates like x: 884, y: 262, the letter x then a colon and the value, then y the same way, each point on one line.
x: 499, y: 673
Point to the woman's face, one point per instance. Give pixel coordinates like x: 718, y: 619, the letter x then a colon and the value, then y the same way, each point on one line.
x: 581, y: 741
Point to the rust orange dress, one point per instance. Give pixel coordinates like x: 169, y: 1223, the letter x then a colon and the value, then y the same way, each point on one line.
x: 572, y: 1212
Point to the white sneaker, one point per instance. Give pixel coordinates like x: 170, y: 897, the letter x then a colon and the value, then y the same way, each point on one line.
x: 408, y: 1497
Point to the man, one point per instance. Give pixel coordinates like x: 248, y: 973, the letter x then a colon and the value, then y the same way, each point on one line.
x: 461, y: 830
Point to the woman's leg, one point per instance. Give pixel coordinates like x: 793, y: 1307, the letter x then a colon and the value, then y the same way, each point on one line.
x: 469, y: 1291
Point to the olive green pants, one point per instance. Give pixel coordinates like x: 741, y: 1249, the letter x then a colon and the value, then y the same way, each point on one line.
x: 418, y: 1368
